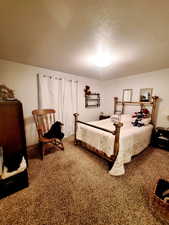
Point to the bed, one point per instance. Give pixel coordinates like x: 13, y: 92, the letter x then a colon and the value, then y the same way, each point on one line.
x: 117, y: 142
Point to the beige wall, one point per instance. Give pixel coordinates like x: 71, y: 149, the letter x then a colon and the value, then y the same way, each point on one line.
x: 23, y: 80
x: 158, y: 80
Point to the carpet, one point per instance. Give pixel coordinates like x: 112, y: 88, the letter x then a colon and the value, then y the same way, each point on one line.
x: 74, y: 188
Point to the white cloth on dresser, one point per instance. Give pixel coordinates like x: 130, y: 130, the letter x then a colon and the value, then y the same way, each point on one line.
x: 22, y: 167
x: 133, y: 140
x: 1, y: 160
x: 1, y: 164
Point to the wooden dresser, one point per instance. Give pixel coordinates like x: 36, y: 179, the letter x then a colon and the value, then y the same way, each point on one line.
x: 13, y: 142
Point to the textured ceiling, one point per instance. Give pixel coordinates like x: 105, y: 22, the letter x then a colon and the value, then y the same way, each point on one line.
x: 64, y: 35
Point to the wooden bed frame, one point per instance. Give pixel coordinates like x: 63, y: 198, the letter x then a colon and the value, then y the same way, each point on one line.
x: 117, y: 125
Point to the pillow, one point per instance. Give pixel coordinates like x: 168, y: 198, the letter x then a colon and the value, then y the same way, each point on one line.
x: 126, y: 119
x: 121, y: 116
x: 115, y: 118
x: 146, y: 121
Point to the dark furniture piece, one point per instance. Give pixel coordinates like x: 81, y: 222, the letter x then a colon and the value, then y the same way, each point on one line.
x: 92, y: 100
x: 44, y: 118
x: 159, y: 200
x: 161, y: 138
x: 13, y: 142
x: 14, y: 183
x: 102, y: 117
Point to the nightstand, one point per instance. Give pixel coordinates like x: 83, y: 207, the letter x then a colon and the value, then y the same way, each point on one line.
x: 102, y: 117
x: 161, y: 138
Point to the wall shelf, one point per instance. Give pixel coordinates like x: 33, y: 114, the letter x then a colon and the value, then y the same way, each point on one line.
x: 92, y: 100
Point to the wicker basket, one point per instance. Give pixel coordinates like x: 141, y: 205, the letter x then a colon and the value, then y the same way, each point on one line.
x: 159, y: 207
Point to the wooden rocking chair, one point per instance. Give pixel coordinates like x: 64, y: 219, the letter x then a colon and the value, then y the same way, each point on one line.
x: 44, y: 118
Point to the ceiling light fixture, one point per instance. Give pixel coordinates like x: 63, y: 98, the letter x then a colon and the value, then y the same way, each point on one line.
x: 103, y: 58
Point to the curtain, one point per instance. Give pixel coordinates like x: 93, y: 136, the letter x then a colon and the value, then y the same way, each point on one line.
x: 59, y: 94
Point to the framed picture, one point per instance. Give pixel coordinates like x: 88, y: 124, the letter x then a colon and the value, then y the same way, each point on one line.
x: 146, y: 94
x: 127, y: 95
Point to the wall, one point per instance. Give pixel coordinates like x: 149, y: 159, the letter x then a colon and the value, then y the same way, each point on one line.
x: 23, y: 80
x: 158, y: 80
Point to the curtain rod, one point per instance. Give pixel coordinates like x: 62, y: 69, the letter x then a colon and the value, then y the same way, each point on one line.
x: 57, y: 78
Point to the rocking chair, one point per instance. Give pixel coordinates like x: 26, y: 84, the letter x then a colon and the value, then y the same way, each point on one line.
x: 44, y: 118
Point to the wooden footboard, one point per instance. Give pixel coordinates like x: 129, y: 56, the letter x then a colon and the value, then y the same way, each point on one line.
x: 116, y: 132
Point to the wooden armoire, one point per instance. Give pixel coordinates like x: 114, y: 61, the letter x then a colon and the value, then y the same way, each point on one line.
x: 13, y: 144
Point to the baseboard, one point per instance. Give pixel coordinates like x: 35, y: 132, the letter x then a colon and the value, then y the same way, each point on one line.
x: 30, y: 147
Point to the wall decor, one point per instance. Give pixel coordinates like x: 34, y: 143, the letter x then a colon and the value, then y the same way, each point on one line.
x: 146, y: 94
x: 87, y: 90
x: 92, y: 100
x: 127, y: 95
x: 6, y: 93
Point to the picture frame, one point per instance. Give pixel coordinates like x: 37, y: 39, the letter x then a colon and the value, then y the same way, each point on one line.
x: 146, y: 94
x: 127, y: 95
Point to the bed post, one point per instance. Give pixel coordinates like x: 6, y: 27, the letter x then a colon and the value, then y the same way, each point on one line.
x: 117, y: 125
x: 115, y: 104
x: 122, y: 111
x: 153, y: 114
x: 75, y: 127
x: 141, y: 106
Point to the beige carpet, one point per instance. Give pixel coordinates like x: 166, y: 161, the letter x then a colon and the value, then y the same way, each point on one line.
x: 74, y: 188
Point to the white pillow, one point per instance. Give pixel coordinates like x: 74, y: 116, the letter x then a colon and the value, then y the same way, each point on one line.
x: 126, y: 117
x: 127, y: 120
x: 115, y: 118
x: 146, y: 121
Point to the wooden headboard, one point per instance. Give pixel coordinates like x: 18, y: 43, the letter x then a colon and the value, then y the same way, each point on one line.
x: 153, y: 104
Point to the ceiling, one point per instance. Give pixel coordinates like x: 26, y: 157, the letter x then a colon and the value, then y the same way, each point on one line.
x: 64, y: 35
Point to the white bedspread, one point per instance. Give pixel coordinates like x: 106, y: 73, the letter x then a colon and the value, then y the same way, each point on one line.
x: 133, y: 140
